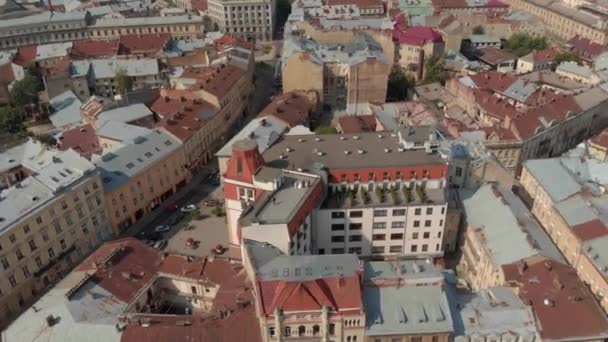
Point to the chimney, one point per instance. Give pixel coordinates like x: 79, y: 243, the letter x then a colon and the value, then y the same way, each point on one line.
x: 522, y: 266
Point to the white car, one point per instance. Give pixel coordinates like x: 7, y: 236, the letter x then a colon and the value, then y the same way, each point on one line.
x: 189, y: 208
x: 160, y: 244
x: 162, y: 229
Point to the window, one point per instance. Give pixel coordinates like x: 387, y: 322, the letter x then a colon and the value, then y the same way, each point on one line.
x: 355, y: 238
x: 354, y: 250
x: 5, y: 263
x: 337, y: 251
x: 378, y: 250
x: 398, y: 236
x: 399, y: 212
x: 39, y: 220
x: 427, y: 223
x: 271, y: 331
x: 355, y: 226
x: 332, y: 329
x: 26, y: 271
x: 51, y: 253
x: 32, y: 244
x: 416, y: 224
x: 414, y: 236
x: 356, y: 213
x: 379, y: 237
x: 63, y: 244
x: 38, y: 261
x: 337, y: 214
x: 429, y: 211
x: 19, y: 254
x: 458, y: 171
x: 68, y: 219
x: 397, y: 224
x: 435, y: 339
x: 440, y: 223
x: 12, y: 238
x: 414, y: 248
x: 57, y: 227
x: 12, y: 280
x: 417, y: 211
x: 85, y: 230
x: 380, y: 213
x: 438, y: 234
x: 338, y: 238
x: 26, y: 229
x: 425, y: 248
x: 287, y: 331
x: 337, y: 226
x: 379, y: 225
x: 437, y: 247
x: 426, y: 235
x: 443, y: 210
x: 396, y: 249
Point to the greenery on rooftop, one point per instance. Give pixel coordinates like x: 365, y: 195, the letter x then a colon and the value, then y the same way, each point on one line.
x: 522, y: 44
x: 434, y: 71
x: 566, y: 57
x: 326, y: 130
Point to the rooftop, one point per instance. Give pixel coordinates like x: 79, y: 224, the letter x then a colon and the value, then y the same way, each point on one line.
x: 351, y: 124
x: 217, y: 80
x: 144, y: 43
x: 265, y: 131
x: 81, y: 139
x: 94, y: 48
x: 494, y: 56
x: 107, y: 68
x: 409, y: 270
x: 600, y: 140
x: 147, y: 21
x: 293, y: 108
x: 417, y: 35
x: 66, y: 108
x: 574, y: 68
x: 124, y: 114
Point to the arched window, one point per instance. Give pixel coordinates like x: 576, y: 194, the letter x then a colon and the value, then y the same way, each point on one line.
x: 301, y: 330
x: 315, y: 330
x: 287, y: 331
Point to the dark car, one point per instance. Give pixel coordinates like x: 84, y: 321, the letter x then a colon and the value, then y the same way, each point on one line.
x: 175, y: 219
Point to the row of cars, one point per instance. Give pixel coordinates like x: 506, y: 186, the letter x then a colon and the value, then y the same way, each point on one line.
x: 155, y: 238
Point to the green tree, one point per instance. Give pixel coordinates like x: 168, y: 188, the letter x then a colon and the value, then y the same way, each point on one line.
x: 11, y: 121
x: 479, y: 30
x: 326, y: 130
x: 434, y: 71
x: 522, y: 44
x: 398, y: 84
x: 566, y: 57
x: 124, y: 83
x: 25, y: 91
x: 283, y: 11
x: 208, y: 24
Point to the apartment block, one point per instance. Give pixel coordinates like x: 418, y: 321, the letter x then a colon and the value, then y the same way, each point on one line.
x: 52, y: 215
x: 247, y: 19
x: 415, y: 46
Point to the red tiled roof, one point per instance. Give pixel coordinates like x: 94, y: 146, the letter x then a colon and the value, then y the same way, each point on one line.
x: 590, y: 230
x: 244, y: 161
x: 544, y: 55
x: 25, y: 55
x: 187, y: 118
x: 340, y: 294
x: 601, y: 139
x: 493, y: 105
x: 554, y: 107
x: 94, y: 48
x: 417, y: 35
x: 82, y: 139
x: 357, y: 123
x: 200, y: 5
x: 198, y: 57
x: 292, y: 108
x: 585, y: 47
x: 144, y: 43
x: 493, y: 80
x: 495, y: 56
x: 225, y: 40
x: 217, y: 80
x: 564, y: 307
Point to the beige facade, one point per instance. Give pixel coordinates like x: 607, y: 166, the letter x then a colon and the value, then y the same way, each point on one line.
x: 598, y: 151
x: 413, y: 57
x: 476, y: 264
x: 178, y: 26
x: 248, y: 19
x: 44, y: 245
x: 439, y: 337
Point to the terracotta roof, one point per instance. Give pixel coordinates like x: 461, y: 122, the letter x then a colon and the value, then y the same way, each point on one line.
x: 555, y: 107
x: 217, y: 80
x: 291, y: 108
x: 493, y: 105
x: 200, y: 5
x: 495, y: 56
x: 144, y: 43
x: 25, y: 55
x: 590, y: 230
x: 244, y: 161
x: 94, y: 48
x: 198, y: 57
x: 357, y: 123
x: 564, y: 307
x: 182, y: 119
x: 544, y: 55
x: 601, y: 139
x: 358, y: 3
x: 225, y: 40
x: 493, y: 80
x: 82, y: 139
x: 586, y: 48
x: 417, y: 35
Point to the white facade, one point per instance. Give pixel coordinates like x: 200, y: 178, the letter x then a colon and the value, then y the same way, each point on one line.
x: 244, y: 19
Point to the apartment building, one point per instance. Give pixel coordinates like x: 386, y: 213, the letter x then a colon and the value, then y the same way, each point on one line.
x: 536, y: 60
x: 499, y: 231
x: 52, y: 215
x: 572, y: 212
x: 143, y: 171
x: 303, y: 298
x: 566, y: 22
x: 415, y: 46
x: 130, y: 286
x: 179, y: 27
x: 247, y: 19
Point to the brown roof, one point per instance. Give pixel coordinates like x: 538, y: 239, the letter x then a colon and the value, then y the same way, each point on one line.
x: 82, y: 139
x: 554, y: 107
x: 493, y: 80
x: 357, y: 123
x: 544, y: 55
x: 292, y: 108
x: 564, y: 307
x: 216, y: 80
x: 198, y: 57
x: 494, y: 106
x: 152, y: 43
x: 601, y: 139
x: 189, y: 117
x: 94, y: 48
x: 494, y: 56
x: 590, y: 230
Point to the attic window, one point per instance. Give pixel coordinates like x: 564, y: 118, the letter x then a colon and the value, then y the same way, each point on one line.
x: 148, y: 154
x: 168, y: 142
x: 130, y: 166
x: 239, y: 166
x: 2, y: 219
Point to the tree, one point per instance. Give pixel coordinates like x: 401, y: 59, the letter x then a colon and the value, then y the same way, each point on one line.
x: 522, y: 44
x: 398, y: 84
x: 11, y: 121
x: 479, y: 30
x: 326, y: 130
x: 25, y: 91
x: 208, y: 24
x: 283, y: 11
x: 566, y: 57
x: 434, y: 70
x: 124, y: 83
x: 46, y: 139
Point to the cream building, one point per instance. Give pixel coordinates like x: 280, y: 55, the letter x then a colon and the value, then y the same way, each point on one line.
x: 50, y: 220
x: 248, y: 19
x: 598, y: 146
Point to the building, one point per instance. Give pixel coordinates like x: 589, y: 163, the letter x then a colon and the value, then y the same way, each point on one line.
x: 497, y: 59
x: 247, y: 19
x: 415, y: 46
x: 474, y: 42
x: 551, y: 288
x: 127, y: 291
x: 566, y: 22
x: 598, y: 146
x: 9, y: 74
x: 52, y: 215
x: 303, y: 298
x: 578, y: 73
x: 140, y: 173
x: 499, y: 231
x: 572, y: 211
x: 536, y: 60
x: 405, y: 300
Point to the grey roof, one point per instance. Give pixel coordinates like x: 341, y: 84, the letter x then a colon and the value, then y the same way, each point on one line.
x: 510, y: 232
x: 552, y: 79
x: 264, y: 135
x: 597, y: 252
x: 118, y: 166
x: 406, y: 310
x: 379, y: 150
x: 405, y: 269
x: 124, y: 114
x: 591, y: 98
x: 52, y: 173
x: 281, y: 205
x: 575, y: 210
x: 574, y: 68
x: 520, y: 90
x: 107, y: 68
x: 483, y: 38
x: 146, y: 21
x: 555, y: 179
x: 54, y: 50
x: 382, y: 23
x: 568, y: 12
x: 270, y: 264
x: 67, y: 109
x: 90, y: 315
x: 121, y: 131
x: 491, y: 312
x: 42, y: 18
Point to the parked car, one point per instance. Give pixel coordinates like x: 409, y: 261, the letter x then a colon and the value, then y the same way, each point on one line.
x: 176, y: 218
x: 189, y: 208
x: 171, y: 208
x: 160, y: 244
x: 162, y: 228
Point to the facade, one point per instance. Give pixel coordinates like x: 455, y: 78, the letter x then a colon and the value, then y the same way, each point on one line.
x: 499, y: 230
x: 416, y: 45
x: 497, y: 59
x: 304, y: 298
x: 53, y: 215
x: 598, y: 146
x: 536, y: 60
x: 247, y: 19
x: 142, y: 172
x: 578, y: 73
